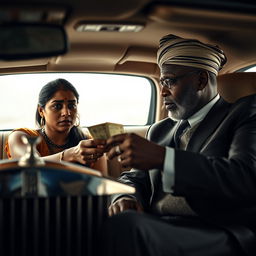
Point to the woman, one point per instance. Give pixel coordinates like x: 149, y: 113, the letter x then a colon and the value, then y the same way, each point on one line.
x: 61, y: 138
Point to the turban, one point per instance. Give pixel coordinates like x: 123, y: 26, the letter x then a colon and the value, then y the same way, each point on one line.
x: 190, y: 52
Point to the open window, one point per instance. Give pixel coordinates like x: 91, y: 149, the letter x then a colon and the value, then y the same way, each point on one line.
x: 129, y: 100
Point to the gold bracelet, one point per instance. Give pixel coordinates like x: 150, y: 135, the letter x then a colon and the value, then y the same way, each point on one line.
x: 62, y: 155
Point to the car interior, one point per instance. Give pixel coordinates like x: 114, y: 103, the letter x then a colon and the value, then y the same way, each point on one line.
x: 113, y: 37
x: 120, y: 38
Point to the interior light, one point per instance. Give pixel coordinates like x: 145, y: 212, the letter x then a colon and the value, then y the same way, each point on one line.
x: 85, y: 27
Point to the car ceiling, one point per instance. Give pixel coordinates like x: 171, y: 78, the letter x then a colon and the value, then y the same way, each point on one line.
x: 229, y: 24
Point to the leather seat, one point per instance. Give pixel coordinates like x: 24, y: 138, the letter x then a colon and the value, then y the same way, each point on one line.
x: 233, y: 86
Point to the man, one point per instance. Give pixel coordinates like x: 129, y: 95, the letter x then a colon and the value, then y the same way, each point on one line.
x: 195, y: 176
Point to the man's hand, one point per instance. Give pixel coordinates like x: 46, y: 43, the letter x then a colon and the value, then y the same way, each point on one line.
x: 124, y: 203
x: 134, y: 151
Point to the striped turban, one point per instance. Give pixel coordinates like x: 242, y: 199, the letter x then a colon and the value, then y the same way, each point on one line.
x: 190, y: 52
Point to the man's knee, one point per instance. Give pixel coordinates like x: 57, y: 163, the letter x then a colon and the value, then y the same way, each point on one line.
x: 116, y: 231
x: 124, y: 220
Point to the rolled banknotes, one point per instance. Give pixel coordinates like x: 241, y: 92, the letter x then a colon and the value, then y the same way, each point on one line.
x: 105, y: 130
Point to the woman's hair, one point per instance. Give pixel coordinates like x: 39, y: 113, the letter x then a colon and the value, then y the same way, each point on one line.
x: 47, y: 93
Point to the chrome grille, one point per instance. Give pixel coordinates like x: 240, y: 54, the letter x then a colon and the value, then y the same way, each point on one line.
x: 66, y: 225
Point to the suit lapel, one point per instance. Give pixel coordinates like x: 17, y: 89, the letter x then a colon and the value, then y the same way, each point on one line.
x: 165, y: 133
x: 208, y: 125
x: 169, y: 139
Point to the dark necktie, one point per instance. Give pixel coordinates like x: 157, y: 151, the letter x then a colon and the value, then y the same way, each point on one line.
x: 180, y: 131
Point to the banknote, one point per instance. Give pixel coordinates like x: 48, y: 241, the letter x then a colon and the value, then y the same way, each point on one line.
x: 105, y: 130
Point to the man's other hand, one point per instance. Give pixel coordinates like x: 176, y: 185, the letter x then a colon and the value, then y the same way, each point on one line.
x: 124, y: 203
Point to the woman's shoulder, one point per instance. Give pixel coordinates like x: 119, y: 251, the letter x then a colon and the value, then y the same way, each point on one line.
x: 31, y: 132
x: 15, y: 136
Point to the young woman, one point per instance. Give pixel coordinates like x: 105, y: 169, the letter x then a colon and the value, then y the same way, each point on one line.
x: 61, y: 138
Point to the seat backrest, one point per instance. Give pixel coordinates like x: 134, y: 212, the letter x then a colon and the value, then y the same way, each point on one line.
x: 233, y: 86
x: 3, y: 137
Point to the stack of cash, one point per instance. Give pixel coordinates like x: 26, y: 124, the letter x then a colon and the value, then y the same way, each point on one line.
x: 105, y: 130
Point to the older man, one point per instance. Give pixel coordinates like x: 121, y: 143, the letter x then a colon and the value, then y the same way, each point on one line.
x: 195, y: 176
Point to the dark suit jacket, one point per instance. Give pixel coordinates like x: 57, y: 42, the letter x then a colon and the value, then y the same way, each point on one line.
x: 217, y: 172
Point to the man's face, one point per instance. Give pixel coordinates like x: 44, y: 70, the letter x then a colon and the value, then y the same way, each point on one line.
x: 181, y: 97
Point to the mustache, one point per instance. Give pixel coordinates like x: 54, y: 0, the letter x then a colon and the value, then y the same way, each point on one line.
x: 169, y: 101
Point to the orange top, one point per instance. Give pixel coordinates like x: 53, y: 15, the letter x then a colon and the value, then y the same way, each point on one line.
x: 41, y: 147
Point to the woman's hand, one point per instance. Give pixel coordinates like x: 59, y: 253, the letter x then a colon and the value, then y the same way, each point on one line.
x: 86, y: 152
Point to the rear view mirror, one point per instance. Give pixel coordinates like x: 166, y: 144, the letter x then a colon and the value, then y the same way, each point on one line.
x: 27, y: 41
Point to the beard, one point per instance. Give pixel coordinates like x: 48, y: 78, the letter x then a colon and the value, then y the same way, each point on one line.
x: 184, y: 109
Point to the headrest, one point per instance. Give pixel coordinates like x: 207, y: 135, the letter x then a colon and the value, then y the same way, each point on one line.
x: 234, y: 86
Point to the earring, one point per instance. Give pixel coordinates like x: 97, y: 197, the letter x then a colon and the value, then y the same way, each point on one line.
x: 77, y: 123
x: 42, y: 122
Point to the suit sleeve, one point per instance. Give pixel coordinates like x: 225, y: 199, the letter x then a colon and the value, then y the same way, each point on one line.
x: 140, y: 180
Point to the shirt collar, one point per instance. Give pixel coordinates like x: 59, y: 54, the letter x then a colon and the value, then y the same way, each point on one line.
x: 201, y: 113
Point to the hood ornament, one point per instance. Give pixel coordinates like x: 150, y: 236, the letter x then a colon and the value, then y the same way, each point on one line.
x: 31, y: 157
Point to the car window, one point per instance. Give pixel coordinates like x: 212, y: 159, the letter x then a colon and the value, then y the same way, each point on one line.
x: 103, y: 98
x: 250, y: 69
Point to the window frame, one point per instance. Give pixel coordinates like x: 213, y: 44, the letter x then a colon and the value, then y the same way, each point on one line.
x: 151, y: 116
x: 244, y: 69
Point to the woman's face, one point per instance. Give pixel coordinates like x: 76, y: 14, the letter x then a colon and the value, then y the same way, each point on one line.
x: 60, y: 112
